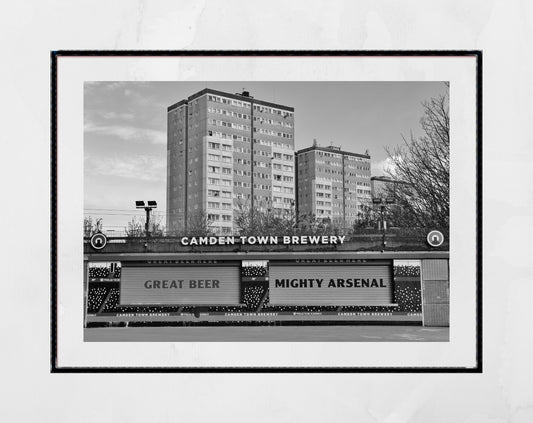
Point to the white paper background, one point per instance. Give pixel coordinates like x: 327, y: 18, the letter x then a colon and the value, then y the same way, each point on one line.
x: 504, y: 392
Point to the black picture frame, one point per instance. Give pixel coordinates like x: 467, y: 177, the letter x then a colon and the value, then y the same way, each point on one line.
x: 55, y: 55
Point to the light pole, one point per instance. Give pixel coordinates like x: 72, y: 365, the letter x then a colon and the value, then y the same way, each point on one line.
x: 381, y: 202
x: 148, y: 208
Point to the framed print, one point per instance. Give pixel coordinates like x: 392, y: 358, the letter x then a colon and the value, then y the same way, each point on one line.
x: 238, y: 211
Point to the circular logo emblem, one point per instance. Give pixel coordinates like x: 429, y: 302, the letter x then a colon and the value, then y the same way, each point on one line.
x: 435, y: 238
x: 98, y: 241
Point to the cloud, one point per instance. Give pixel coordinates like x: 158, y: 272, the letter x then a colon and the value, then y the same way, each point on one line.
x: 113, y: 85
x: 143, y: 98
x: 128, y: 133
x: 119, y: 116
x: 383, y: 167
x: 144, y: 168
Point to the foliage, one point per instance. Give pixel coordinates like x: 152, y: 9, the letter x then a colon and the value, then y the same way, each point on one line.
x: 89, y: 227
x: 136, y: 226
x: 309, y: 224
x: 250, y: 221
x: 421, y: 167
x: 198, y: 224
x: 367, y: 217
x: 276, y: 222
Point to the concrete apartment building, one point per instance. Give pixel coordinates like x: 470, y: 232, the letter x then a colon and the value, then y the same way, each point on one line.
x: 225, y: 152
x: 379, y: 186
x: 332, y: 183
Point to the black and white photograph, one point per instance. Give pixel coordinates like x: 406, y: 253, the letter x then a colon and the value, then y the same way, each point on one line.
x: 299, y: 209
x: 266, y: 211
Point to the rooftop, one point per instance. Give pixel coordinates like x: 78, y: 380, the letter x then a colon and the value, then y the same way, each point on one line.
x: 332, y: 149
x: 382, y: 178
x: 244, y: 96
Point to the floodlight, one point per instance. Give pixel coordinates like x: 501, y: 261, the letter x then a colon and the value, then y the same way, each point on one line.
x: 376, y: 200
x: 147, y: 208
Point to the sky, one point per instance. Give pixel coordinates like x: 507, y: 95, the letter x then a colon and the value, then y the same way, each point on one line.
x: 125, y: 126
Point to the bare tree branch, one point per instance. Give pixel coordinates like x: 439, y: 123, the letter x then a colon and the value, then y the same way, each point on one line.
x: 421, y: 168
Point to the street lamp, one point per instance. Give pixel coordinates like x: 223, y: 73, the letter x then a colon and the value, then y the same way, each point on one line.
x: 381, y: 202
x: 148, y: 208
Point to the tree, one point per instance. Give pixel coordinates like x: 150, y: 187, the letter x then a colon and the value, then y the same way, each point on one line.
x: 421, y: 168
x: 267, y: 222
x: 367, y: 217
x: 89, y: 228
x: 136, y: 226
x: 198, y: 224
x: 310, y: 224
x: 156, y: 226
x: 243, y: 220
